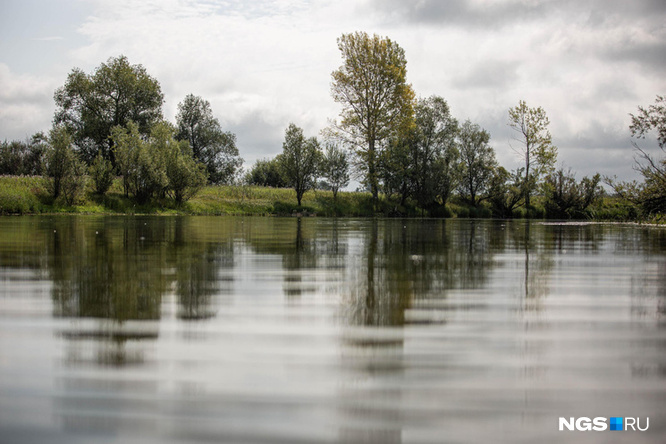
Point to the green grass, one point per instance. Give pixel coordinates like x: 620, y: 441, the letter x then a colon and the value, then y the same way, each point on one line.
x: 22, y: 195
x: 29, y: 195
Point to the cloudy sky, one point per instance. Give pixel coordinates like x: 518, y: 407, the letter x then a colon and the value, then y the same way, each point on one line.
x: 265, y: 63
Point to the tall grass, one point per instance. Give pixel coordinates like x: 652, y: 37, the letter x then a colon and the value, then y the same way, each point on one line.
x: 29, y: 195
x: 22, y: 194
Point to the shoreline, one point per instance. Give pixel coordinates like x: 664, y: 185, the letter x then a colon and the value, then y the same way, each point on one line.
x: 28, y: 195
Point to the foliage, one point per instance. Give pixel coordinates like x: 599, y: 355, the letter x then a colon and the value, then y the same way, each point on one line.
x: 566, y: 198
x: 157, y: 166
x: 421, y: 162
x: 376, y: 99
x: 537, y: 151
x: 63, y: 167
x: 89, y: 106
x: 477, y: 163
x: 652, y: 118
x: 23, y: 158
x: 652, y: 195
x: 185, y: 175
x: 101, y: 173
x: 434, y: 154
x: 210, y: 145
x: 21, y: 195
x: 505, y: 191
x: 335, y: 168
x: 266, y: 173
x: 299, y: 161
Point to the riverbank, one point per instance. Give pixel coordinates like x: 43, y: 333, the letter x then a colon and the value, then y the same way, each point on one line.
x: 29, y: 195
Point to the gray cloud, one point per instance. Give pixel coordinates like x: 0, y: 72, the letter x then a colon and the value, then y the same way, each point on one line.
x: 493, y: 74
x: 466, y: 13
x: 459, y: 12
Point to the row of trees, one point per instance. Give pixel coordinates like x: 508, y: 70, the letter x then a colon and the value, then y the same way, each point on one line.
x: 409, y: 148
x: 110, y: 123
x: 300, y: 165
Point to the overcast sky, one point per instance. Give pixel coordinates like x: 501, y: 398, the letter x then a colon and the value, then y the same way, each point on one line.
x: 265, y: 63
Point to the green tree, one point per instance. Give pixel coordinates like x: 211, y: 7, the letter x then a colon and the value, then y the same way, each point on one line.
x: 142, y: 167
x: 537, y: 149
x: 420, y: 162
x: 266, y: 173
x: 566, y: 198
x: 23, y: 158
x: 210, y: 145
x: 477, y: 162
x: 336, y: 168
x: 90, y: 105
x: 652, y: 194
x: 505, y: 191
x: 101, y: 172
x: 63, y: 167
x: 377, y: 101
x: 185, y: 175
x: 434, y: 155
x: 299, y: 161
x: 396, y: 171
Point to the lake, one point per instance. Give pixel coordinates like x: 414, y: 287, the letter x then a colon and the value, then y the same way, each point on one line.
x: 261, y: 330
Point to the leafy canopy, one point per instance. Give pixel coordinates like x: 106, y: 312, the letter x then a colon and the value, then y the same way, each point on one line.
x: 90, y: 105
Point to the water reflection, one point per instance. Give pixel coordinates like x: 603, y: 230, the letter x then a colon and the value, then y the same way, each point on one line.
x: 324, y: 330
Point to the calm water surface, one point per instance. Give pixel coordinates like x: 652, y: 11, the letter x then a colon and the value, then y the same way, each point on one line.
x: 165, y: 329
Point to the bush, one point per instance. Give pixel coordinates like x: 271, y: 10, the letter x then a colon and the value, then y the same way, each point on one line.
x: 101, y: 173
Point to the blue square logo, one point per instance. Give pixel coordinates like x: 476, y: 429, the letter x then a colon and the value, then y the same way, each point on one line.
x: 616, y: 423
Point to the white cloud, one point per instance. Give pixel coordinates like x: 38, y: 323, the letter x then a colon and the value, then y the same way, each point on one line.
x: 26, y: 103
x: 265, y: 63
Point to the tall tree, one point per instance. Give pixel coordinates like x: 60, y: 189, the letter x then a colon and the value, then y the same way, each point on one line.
x: 377, y: 101
x: 420, y: 162
x: 537, y: 149
x: 210, y: 145
x: 435, y: 153
x: 89, y: 106
x: 299, y: 160
x: 477, y: 162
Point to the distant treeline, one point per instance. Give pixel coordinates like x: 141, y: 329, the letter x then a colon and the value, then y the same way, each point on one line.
x: 407, y: 152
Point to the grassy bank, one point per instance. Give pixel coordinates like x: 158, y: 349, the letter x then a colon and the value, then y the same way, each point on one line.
x: 29, y: 195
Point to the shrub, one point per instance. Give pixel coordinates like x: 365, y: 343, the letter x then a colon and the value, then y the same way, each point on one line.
x: 101, y: 173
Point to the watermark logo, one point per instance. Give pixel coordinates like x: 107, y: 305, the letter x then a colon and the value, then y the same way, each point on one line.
x: 616, y: 423
x: 600, y: 424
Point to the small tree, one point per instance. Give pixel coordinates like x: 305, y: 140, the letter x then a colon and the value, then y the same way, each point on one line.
x: 63, y: 168
x: 21, y: 158
x: 336, y: 168
x: 567, y: 198
x: 185, y: 176
x: 537, y: 151
x: 477, y: 162
x: 299, y: 161
x: 141, y: 163
x: 266, y: 173
x: 505, y: 191
x: 101, y: 172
